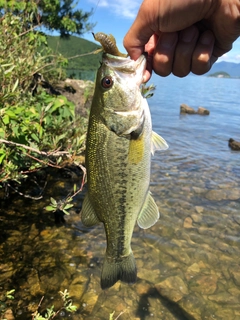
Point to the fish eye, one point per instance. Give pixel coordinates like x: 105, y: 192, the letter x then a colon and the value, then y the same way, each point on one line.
x: 107, y: 82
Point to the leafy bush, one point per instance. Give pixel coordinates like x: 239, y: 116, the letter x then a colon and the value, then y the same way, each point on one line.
x: 49, y: 314
x: 36, y: 130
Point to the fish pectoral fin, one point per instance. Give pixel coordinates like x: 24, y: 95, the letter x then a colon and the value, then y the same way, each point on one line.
x: 149, y: 214
x: 158, y: 143
x: 88, y: 215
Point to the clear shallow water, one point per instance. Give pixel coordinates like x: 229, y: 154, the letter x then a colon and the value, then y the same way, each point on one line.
x: 188, y: 263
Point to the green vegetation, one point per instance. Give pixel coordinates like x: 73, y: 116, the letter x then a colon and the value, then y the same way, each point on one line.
x: 59, y: 15
x: 220, y: 74
x: 66, y: 204
x: 5, y: 299
x: 37, y: 130
x: 112, y: 315
x: 49, y: 313
x: 83, y: 61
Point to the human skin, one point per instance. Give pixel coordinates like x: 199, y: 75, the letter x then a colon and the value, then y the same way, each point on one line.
x: 183, y: 36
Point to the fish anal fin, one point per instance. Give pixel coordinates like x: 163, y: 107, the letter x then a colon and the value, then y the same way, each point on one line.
x: 123, y: 269
x: 149, y: 214
x: 158, y: 143
x: 88, y: 215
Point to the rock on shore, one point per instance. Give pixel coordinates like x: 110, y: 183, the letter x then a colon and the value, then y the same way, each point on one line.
x: 233, y: 144
x: 80, y: 92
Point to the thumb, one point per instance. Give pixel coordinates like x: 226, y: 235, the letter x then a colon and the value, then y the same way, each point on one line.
x: 138, y: 35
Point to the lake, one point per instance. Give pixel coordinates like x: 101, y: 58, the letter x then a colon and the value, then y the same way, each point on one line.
x: 188, y: 263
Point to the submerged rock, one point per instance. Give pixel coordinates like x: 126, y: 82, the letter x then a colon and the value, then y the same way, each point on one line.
x: 8, y: 315
x: 204, y: 284
x: 188, y: 223
x: 223, y: 194
x: 224, y: 298
x: 172, y: 288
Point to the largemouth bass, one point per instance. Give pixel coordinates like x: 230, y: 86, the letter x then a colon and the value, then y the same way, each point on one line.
x: 118, y: 158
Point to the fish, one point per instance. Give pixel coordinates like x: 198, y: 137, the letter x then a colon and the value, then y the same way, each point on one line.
x: 119, y: 144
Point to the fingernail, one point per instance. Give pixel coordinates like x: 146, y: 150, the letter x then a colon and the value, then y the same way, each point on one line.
x: 167, y: 40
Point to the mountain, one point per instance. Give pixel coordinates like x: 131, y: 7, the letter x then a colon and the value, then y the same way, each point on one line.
x: 82, y: 67
x: 85, y: 67
x: 233, y: 69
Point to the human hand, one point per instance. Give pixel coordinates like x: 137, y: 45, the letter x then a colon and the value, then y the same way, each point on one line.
x: 183, y: 36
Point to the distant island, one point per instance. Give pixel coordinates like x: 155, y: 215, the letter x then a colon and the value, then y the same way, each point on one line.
x: 219, y: 74
x: 225, y: 69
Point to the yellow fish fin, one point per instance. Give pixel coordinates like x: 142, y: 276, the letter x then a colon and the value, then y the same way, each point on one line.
x: 136, y: 150
x: 149, y: 214
x: 158, y: 143
x: 88, y: 215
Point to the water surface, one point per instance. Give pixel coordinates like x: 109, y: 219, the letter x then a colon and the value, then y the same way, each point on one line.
x: 188, y: 263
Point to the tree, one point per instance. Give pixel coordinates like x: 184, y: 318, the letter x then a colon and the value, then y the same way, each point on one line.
x: 36, y: 130
x: 59, y: 15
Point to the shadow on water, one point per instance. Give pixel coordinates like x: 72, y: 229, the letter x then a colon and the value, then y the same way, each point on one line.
x: 165, y: 308
x: 188, y: 263
x: 174, y: 309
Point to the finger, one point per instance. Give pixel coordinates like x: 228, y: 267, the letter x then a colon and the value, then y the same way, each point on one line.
x: 149, y: 48
x: 164, y: 53
x: 135, y: 40
x: 203, y: 58
x: 148, y: 71
x: 141, y: 31
x: 184, y: 50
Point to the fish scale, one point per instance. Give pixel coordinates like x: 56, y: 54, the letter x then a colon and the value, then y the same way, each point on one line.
x: 118, y: 160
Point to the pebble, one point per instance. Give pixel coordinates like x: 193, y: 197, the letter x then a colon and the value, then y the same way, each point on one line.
x: 235, y: 273
x: 194, y: 268
x: 190, y: 257
x: 8, y: 315
x: 172, y: 288
x: 204, y: 284
x: 188, y: 223
x: 224, y: 298
x: 223, y: 194
x: 199, y: 210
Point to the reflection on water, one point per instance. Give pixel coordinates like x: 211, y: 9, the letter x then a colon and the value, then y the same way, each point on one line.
x: 188, y: 263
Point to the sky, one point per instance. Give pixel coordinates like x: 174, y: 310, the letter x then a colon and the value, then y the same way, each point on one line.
x: 116, y: 17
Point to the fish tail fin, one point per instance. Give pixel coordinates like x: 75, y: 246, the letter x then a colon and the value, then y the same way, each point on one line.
x: 113, y: 270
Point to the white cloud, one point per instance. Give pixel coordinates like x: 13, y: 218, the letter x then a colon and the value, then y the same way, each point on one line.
x: 123, y: 8
x: 224, y: 57
x: 230, y: 57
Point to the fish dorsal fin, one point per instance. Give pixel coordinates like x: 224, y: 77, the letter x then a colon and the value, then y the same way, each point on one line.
x: 88, y: 215
x: 149, y: 214
x: 158, y: 143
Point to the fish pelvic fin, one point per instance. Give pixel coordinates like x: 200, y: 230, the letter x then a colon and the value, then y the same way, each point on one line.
x: 88, y: 215
x: 114, y: 270
x: 149, y: 214
x: 158, y: 143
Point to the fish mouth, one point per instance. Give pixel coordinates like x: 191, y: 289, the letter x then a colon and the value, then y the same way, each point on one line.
x: 126, y: 65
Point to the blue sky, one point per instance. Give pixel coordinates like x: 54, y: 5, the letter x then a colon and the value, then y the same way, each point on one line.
x: 116, y: 17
